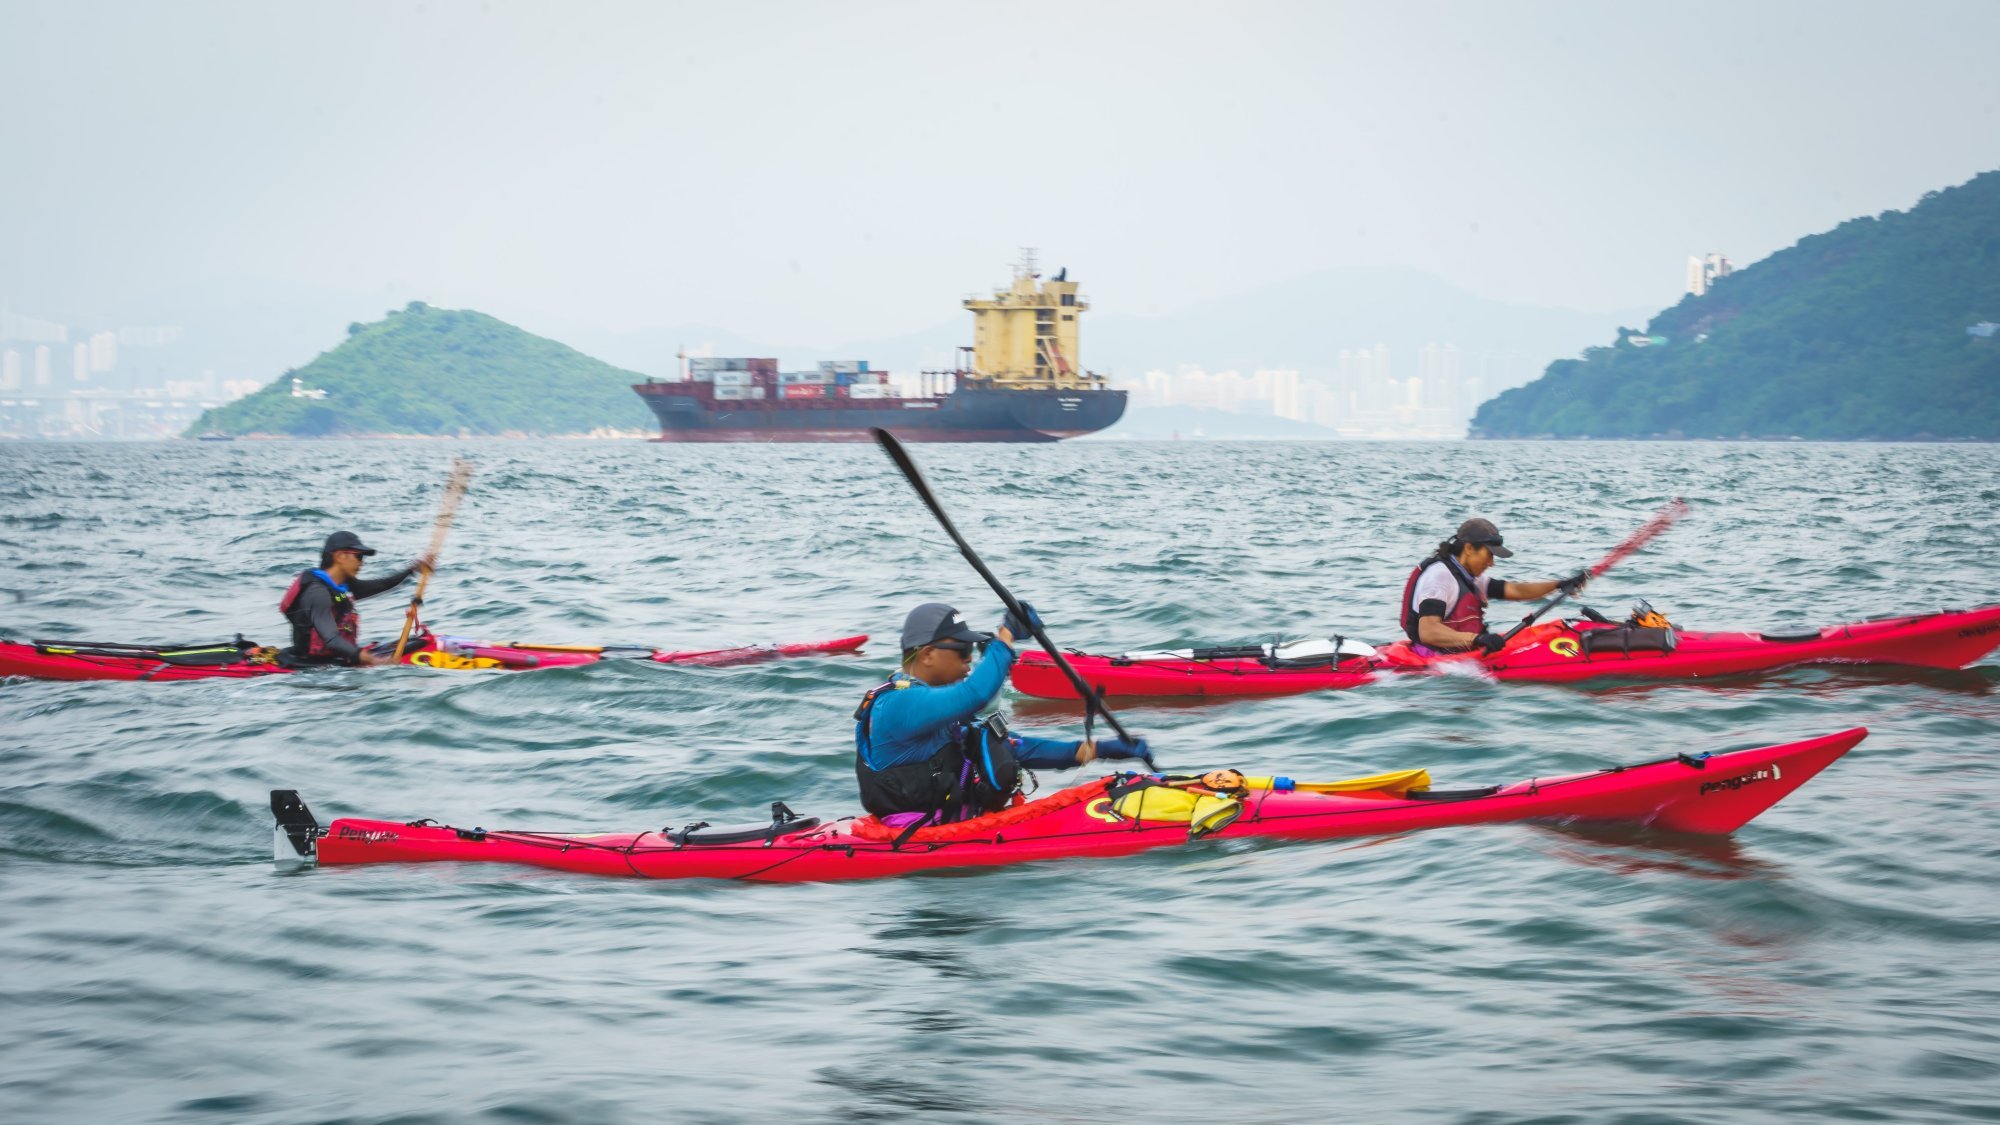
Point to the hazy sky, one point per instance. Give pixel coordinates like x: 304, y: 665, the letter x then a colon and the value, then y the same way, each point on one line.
x: 829, y: 171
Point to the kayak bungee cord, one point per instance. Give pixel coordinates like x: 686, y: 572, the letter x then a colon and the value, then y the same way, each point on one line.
x: 1093, y: 700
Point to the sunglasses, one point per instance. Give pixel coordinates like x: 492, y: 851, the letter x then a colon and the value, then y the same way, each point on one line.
x: 958, y: 647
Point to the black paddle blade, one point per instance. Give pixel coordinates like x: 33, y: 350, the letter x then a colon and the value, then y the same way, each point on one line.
x: 295, y: 819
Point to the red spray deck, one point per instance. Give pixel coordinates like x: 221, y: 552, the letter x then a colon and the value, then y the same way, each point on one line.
x: 1556, y: 652
x: 82, y: 660
x: 1707, y: 794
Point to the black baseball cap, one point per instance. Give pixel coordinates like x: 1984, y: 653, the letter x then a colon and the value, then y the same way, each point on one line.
x: 345, y: 541
x: 932, y: 622
x: 1482, y: 533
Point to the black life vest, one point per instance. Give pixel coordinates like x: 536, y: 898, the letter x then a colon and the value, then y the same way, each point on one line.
x: 974, y: 772
x: 307, y: 647
x: 1466, y: 613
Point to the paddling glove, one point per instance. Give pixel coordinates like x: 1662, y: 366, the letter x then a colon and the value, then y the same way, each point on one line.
x: 1119, y: 748
x: 1574, y: 582
x: 1489, y: 643
x: 1023, y: 624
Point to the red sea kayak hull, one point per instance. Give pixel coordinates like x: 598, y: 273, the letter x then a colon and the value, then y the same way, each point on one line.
x: 1950, y: 639
x: 45, y: 662
x: 1712, y: 794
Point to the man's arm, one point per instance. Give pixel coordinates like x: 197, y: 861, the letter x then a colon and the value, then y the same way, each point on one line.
x: 1524, y: 591
x: 1432, y: 631
x: 1046, y: 753
x: 904, y: 714
x: 361, y: 588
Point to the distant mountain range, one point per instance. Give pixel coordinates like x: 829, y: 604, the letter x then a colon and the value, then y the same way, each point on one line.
x: 1882, y: 328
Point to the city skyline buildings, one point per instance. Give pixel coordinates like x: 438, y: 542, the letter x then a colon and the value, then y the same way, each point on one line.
x: 1363, y: 395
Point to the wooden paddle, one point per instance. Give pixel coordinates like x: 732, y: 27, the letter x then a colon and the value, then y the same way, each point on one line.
x: 454, y: 490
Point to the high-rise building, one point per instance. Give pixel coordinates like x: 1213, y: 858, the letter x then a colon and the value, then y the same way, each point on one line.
x: 104, y: 351
x: 1287, y: 399
x: 1703, y: 271
x: 10, y: 371
x: 80, y: 364
x: 41, y: 365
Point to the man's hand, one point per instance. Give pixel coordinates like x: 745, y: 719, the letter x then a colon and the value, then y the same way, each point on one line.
x: 372, y: 659
x: 1119, y: 748
x: 1021, y: 624
x: 1489, y: 643
x: 1574, y: 582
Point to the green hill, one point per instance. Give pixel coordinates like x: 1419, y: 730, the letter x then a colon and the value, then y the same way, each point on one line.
x: 439, y: 372
x: 1857, y: 333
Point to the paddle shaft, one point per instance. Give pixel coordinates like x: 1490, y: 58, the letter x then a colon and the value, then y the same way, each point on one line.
x: 454, y: 489
x: 915, y: 476
x: 1662, y: 520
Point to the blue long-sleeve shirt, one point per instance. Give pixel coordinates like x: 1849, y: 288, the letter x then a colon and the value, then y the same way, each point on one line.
x: 910, y: 723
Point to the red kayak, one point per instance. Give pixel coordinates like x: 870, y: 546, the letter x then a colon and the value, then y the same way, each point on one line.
x: 235, y: 660
x: 1556, y: 652
x: 1696, y: 794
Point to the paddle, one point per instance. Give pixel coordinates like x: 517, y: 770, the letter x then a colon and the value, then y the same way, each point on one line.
x: 915, y: 476
x: 1663, y: 519
x: 454, y: 489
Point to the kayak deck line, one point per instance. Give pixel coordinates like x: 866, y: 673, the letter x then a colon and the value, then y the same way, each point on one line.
x: 1685, y: 793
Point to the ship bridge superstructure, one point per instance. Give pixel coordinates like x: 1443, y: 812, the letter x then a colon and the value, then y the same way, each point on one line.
x: 1024, y: 337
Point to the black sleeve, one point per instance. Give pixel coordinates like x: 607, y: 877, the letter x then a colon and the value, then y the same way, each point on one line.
x: 1430, y: 607
x: 369, y: 587
x: 319, y: 605
x: 1496, y: 590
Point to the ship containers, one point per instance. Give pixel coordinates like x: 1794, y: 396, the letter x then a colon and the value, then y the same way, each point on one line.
x: 804, y: 390
x: 843, y: 366
x: 703, y: 369
x: 790, y: 378
x: 724, y: 393
x: 730, y: 378
x: 869, y: 390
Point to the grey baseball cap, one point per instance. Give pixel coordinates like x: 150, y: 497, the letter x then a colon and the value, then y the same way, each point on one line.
x: 1483, y: 532
x: 932, y: 622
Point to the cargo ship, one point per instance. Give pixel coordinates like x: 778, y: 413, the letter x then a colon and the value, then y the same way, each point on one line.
x: 1017, y: 382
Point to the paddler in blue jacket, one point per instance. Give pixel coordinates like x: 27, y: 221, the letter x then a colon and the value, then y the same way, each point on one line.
x: 326, y: 628
x: 920, y: 755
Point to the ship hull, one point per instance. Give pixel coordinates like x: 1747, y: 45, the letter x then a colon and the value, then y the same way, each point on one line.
x: 966, y: 415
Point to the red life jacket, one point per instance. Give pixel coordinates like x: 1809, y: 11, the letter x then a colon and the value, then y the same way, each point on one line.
x: 1467, y: 613
x: 306, y: 643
